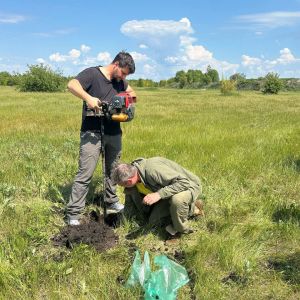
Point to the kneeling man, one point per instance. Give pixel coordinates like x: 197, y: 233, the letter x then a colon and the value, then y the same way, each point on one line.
x: 156, y: 188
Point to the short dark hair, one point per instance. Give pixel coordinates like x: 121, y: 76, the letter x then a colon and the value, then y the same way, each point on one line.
x: 125, y: 60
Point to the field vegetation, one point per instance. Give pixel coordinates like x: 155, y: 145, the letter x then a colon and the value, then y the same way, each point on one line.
x: 245, y: 148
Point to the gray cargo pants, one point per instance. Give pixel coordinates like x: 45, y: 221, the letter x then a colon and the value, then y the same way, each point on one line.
x: 176, y: 208
x: 90, y: 146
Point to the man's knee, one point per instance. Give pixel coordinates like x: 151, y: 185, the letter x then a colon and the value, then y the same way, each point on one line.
x: 182, y: 199
x: 175, y: 202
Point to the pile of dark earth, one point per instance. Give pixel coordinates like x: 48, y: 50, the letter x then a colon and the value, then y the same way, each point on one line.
x: 95, y: 232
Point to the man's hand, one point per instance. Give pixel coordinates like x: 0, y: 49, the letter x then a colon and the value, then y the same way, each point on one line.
x: 151, y: 198
x: 94, y: 103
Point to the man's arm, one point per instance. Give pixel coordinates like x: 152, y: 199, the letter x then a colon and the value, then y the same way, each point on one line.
x: 177, y: 184
x: 76, y: 89
x: 172, y: 182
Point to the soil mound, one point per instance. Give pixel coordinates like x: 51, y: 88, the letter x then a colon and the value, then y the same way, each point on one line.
x: 95, y: 233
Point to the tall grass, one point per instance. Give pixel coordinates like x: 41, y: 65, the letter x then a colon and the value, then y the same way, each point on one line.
x: 244, y: 148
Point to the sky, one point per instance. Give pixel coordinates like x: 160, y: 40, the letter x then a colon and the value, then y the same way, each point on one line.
x: 253, y: 37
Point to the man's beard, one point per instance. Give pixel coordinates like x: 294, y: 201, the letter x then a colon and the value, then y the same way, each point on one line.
x: 115, y: 76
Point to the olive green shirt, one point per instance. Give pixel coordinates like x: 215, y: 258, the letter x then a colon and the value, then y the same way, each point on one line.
x: 166, y: 177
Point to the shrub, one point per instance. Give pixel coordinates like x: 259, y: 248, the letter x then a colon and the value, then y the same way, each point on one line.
x: 272, y: 84
x: 249, y: 84
x: 40, y: 78
x: 4, y: 78
x: 228, y: 86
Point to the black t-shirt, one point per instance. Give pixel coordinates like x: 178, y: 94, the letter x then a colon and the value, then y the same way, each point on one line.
x: 97, y: 85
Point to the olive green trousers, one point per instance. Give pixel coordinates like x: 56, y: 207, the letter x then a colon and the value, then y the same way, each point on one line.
x: 174, y: 210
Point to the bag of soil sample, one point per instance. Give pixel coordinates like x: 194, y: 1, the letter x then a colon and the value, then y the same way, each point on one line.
x: 162, y: 283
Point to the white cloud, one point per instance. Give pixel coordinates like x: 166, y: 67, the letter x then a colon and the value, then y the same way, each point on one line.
x: 199, y: 58
x: 79, y: 58
x: 40, y: 61
x: 104, y: 57
x: 261, y: 66
x: 186, y: 40
x: 286, y: 56
x: 88, y: 61
x: 57, y: 57
x: 198, y: 53
x: 72, y: 56
x: 139, y: 57
x: 156, y: 28
x: 11, y: 68
x: 148, y: 69
x: 172, y: 59
x: 85, y: 48
x: 11, y: 19
x: 172, y: 47
x: 143, y: 46
x: 225, y: 67
x: 74, y: 53
x: 271, y: 19
x: 250, y: 61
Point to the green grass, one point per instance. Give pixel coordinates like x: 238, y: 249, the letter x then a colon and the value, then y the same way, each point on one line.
x: 244, y: 147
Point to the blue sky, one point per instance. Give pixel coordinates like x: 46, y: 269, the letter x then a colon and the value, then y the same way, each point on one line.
x: 249, y: 36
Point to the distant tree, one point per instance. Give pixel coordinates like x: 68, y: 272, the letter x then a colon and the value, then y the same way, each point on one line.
x: 238, y: 77
x: 198, y: 77
x: 271, y: 84
x: 207, y: 79
x: 190, y: 76
x: 213, y: 74
x: 291, y: 84
x: 240, y: 80
x: 181, y: 79
x: 140, y: 83
x: 163, y: 83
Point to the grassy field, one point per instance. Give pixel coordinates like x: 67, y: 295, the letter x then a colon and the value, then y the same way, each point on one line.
x: 246, y: 150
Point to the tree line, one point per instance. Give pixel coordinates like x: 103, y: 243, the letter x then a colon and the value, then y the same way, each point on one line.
x: 42, y: 78
x: 183, y: 79
x: 195, y: 79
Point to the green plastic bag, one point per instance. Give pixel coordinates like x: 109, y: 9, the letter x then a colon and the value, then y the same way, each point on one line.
x: 162, y: 283
x: 141, y: 271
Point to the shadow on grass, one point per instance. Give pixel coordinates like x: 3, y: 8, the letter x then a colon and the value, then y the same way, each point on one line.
x: 144, y: 229
x: 289, y: 213
x: 288, y: 266
x: 61, y: 193
x: 293, y: 163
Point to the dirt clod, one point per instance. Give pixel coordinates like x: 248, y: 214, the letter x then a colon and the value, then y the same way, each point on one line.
x: 96, y: 234
x: 179, y: 255
x: 233, y: 277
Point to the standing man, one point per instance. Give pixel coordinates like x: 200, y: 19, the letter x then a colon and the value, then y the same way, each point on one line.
x: 156, y: 188
x: 94, y: 85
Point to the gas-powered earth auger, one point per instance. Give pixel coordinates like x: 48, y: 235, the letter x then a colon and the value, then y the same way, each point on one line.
x: 119, y: 109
